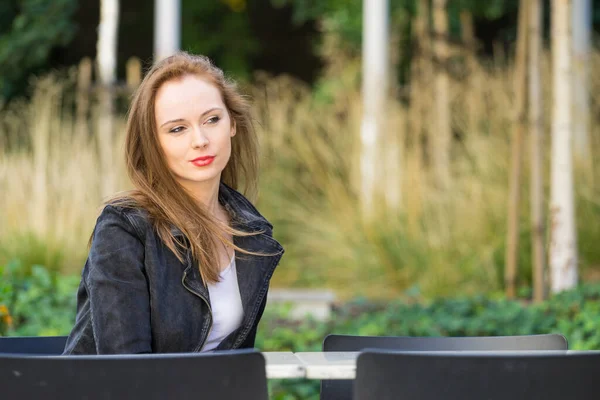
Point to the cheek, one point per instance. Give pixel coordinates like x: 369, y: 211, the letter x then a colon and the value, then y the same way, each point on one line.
x: 228, y: 145
x: 173, y: 148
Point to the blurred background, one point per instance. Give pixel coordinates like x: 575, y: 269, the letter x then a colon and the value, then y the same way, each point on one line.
x: 430, y: 166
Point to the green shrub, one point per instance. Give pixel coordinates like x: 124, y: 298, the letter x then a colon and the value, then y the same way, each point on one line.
x: 38, y: 301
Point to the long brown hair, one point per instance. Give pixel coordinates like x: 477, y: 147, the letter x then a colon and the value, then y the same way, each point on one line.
x: 156, y: 189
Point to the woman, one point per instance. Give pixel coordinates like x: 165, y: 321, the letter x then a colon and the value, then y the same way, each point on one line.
x: 182, y: 263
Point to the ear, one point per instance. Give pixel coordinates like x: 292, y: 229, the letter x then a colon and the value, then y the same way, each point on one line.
x: 233, y: 128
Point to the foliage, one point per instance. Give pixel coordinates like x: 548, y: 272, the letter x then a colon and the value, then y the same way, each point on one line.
x: 37, y: 27
x: 35, y: 301
x: 221, y: 31
x: 573, y: 314
x: 344, y: 17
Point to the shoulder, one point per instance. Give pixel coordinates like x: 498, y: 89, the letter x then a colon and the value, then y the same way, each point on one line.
x: 242, y: 209
x: 116, y: 247
x: 132, y: 219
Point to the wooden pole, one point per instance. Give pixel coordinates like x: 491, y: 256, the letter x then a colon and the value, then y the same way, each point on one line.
x: 420, y: 90
x: 392, y: 148
x: 519, y: 120
x: 536, y: 132
x: 441, y: 139
x: 581, y: 33
x: 84, y: 84
x: 134, y: 73
x: 468, y: 37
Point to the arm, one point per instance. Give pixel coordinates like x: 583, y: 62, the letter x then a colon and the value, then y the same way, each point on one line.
x: 117, y: 287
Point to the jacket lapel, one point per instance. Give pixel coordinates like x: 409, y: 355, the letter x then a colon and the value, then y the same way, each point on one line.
x: 255, y: 271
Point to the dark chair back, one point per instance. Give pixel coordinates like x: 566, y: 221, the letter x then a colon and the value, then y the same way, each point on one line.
x: 221, y: 375
x: 427, y: 376
x: 342, y: 389
x: 51, y: 345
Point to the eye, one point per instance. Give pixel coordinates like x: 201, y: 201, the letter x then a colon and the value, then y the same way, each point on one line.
x: 177, y: 129
x: 213, y: 120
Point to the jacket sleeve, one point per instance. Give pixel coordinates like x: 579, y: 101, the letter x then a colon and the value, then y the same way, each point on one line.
x: 118, y: 287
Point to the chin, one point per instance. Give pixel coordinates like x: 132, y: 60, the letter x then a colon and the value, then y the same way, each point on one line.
x: 203, y: 177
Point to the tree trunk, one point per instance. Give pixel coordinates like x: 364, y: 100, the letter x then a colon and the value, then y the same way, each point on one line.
x: 107, y: 62
x: 582, y: 26
x: 519, y: 115
x: 167, y: 28
x: 535, y: 129
x: 563, y: 240
x: 375, y: 63
x: 441, y: 139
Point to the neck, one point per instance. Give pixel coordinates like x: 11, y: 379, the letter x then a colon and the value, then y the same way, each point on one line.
x: 207, y: 195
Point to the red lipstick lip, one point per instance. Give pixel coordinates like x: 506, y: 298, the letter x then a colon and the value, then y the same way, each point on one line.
x: 202, y: 161
x: 205, y: 158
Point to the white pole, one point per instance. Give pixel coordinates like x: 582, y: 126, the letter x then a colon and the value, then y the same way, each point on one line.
x: 167, y: 28
x: 375, y: 64
x: 106, y: 47
x: 563, y: 240
x: 582, y: 28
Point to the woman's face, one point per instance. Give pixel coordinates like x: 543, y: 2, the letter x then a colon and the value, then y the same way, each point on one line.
x: 194, y: 131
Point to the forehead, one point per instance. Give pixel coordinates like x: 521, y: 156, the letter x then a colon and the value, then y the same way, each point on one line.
x: 183, y: 97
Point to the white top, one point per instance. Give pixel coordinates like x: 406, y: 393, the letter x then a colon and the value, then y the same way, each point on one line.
x: 226, y: 305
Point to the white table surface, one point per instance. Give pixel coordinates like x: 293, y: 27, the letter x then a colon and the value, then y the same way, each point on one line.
x: 329, y: 365
x: 283, y: 365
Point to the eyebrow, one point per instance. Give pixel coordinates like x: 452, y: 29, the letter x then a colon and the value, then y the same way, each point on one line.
x: 181, y: 119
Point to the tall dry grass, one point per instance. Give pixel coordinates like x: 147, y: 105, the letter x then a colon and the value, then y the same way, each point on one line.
x: 440, y: 242
x: 437, y: 242
x: 50, y: 179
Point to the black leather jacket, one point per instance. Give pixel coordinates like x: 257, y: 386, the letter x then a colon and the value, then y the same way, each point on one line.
x: 135, y: 296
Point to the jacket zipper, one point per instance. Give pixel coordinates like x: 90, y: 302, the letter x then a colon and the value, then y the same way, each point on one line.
x: 209, y: 309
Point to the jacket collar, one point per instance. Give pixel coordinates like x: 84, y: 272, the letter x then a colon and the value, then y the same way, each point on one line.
x: 244, y: 215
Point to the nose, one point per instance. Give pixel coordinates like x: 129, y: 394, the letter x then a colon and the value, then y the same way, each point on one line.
x: 199, y: 139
